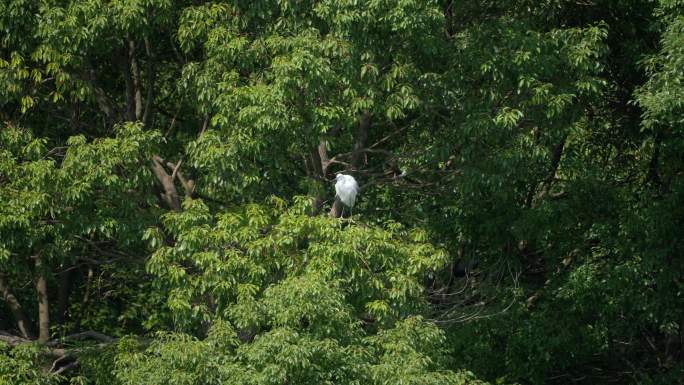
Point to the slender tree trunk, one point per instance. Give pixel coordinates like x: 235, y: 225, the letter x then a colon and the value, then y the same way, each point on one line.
x: 356, y: 157
x: 135, y: 74
x: 150, y: 74
x: 361, y: 139
x: 104, y: 103
x: 43, y: 304
x: 16, y: 309
x: 319, y: 164
x: 86, y: 297
x: 557, y: 153
x: 128, y: 78
x: 63, y: 295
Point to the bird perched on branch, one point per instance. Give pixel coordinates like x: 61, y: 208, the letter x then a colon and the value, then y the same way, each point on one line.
x: 346, y: 188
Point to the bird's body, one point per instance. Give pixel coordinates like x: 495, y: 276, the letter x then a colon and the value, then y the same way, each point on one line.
x: 346, y: 188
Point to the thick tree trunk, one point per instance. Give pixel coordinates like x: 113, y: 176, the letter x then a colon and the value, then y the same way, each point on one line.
x: 16, y: 309
x: 43, y: 303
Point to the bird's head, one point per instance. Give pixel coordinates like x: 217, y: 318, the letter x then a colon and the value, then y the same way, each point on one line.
x: 339, y: 177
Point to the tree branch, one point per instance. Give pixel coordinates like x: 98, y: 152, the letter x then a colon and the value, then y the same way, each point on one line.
x: 16, y: 309
x: 188, y: 184
x: 62, y: 354
x: 13, y: 340
x: 170, y: 195
x: 66, y: 367
x: 556, y: 156
x: 361, y: 139
x: 103, y: 101
x: 90, y: 334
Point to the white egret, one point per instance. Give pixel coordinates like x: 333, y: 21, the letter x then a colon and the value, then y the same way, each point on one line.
x: 346, y: 188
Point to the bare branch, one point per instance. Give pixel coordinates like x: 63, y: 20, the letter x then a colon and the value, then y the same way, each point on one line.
x: 386, y: 138
x: 13, y: 340
x: 55, y: 362
x: 86, y: 335
x: 175, y: 169
x: 66, y: 367
x: 188, y: 184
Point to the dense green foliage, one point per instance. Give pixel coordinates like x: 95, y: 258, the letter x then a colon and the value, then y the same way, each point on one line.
x: 167, y: 210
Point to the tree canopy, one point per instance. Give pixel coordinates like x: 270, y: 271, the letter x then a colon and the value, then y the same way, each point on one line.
x: 168, y: 211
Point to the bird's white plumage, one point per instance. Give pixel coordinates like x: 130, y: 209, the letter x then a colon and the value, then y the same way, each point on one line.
x: 346, y: 188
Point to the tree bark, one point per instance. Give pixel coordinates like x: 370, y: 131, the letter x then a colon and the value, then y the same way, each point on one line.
x: 337, y: 208
x: 135, y: 74
x: 356, y: 157
x: 43, y: 303
x: 556, y: 156
x: 170, y: 195
x: 150, y: 73
x: 361, y: 139
x: 321, y: 154
x: 130, y: 89
x: 188, y: 184
x: 320, y: 164
x: 16, y: 309
x: 104, y: 103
